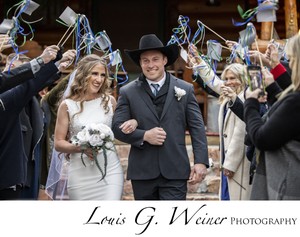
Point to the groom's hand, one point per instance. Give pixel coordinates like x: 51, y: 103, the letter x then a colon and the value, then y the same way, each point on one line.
x: 198, y: 173
x: 155, y: 136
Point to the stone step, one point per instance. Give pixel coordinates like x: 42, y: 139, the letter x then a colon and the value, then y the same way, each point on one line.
x: 202, y: 197
x: 190, y: 197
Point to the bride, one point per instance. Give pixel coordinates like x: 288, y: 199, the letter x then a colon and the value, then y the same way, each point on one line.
x: 88, y: 103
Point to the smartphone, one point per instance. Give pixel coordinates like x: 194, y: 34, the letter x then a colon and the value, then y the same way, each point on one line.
x: 254, y: 77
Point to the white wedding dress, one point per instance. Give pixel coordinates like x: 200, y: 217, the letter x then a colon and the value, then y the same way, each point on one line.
x: 84, y: 181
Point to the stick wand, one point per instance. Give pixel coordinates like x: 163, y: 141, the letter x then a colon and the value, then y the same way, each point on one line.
x: 251, y: 28
x: 212, y: 31
x: 65, y: 34
x: 61, y: 44
x: 183, y: 28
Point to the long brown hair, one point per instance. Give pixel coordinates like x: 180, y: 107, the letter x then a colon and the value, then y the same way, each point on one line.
x: 79, y: 86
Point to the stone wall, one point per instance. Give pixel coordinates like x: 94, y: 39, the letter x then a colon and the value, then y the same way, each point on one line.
x: 206, y: 190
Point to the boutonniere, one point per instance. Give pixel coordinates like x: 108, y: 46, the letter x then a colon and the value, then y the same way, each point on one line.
x: 179, y: 92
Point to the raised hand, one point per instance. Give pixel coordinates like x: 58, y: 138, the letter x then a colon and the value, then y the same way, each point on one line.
x: 67, y: 59
x: 4, y: 42
x: 268, y: 76
x: 49, y: 53
x: 273, y: 55
x: 193, y: 56
x: 253, y: 94
x: 228, y: 92
x: 231, y: 44
x: 255, y: 55
x: 68, y: 56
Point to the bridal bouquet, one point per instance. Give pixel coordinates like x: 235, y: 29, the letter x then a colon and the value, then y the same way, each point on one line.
x: 97, y: 137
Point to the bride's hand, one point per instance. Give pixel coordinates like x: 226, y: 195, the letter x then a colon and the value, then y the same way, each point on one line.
x: 129, y: 126
x: 89, y: 153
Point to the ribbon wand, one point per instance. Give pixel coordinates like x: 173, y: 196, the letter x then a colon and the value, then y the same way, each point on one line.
x: 222, y: 38
x: 260, y: 60
x: 185, y: 56
x: 65, y: 35
x: 69, y: 17
x: 62, y: 44
x: 212, y: 31
x: 252, y: 29
x: 183, y: 28
x: 174, y: 39
x: 66, y: 38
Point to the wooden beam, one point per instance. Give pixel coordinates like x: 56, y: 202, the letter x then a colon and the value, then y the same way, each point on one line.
x: 266, y: 30
x: 291, y: 22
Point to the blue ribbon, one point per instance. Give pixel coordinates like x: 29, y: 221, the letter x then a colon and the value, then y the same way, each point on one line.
x: 261, y: 7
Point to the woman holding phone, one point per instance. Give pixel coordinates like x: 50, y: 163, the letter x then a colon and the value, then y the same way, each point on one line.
x: 277, y: 136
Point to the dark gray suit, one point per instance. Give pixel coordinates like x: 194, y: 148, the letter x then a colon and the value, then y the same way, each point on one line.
x: 170, y: 160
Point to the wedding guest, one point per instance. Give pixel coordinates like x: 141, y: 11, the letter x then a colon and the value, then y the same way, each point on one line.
x: 49, y: 104
x: 13, y: 161
x: 18, y: 75
x: 277, y: 136
x: 235, y: 166
x: 31, y: 119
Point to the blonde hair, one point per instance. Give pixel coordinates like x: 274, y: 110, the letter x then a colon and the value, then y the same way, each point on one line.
x: 239, y: 71
x: 79, y: 86
x: 293, y: 52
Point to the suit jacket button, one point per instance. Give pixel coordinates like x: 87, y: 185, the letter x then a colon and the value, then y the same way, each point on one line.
x: 224, y: 135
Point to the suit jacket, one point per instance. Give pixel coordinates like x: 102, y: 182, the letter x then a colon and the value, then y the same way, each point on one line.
x: 13, y: 160
x: 171, y: 160
x: 15, y: 77
x: 32, y: 125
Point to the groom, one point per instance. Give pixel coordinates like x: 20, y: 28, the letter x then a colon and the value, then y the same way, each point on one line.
x: 164, y: 107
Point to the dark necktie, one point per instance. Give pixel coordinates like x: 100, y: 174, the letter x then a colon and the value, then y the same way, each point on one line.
x: 155, y: 86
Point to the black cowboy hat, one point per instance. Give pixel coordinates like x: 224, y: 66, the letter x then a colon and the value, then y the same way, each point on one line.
x: 152, y: 42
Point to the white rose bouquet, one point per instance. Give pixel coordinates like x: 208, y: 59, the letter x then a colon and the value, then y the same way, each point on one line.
x: 97, y: 137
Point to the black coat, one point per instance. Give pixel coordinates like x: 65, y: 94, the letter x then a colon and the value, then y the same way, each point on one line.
x: 15, y: 77
x: 277, y: 175
x: 13, y: 160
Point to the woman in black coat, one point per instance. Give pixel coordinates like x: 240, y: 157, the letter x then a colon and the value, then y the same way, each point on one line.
x: 278, y: 136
